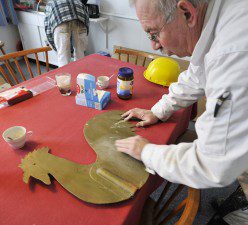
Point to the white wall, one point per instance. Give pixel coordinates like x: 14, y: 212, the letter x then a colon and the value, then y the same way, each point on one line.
x: 10, y: 36
x: 124, y: 28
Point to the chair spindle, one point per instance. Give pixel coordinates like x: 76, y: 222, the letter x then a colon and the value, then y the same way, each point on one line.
x: 162, y: 196
x: 19, y: 69
x: 6, y: 77
x: 6, y: 62
x: 47, y: 61
x: 37, y: 63
x: 29, y: 67
x: 174, y: 212
x: 172, y: 197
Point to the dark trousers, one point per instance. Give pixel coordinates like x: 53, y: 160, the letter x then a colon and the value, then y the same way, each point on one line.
x: 237, y: 200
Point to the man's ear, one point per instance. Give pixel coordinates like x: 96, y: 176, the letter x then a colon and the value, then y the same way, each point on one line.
x: 188, y: 11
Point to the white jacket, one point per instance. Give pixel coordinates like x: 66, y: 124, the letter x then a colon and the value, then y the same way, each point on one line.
x: 219, y: 63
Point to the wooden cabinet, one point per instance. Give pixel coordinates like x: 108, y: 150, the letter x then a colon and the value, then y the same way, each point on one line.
x: 32, y: 32
x: 30, y: 37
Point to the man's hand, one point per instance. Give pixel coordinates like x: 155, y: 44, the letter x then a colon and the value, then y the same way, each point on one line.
x: 132, y: 146
x: 147, y: 116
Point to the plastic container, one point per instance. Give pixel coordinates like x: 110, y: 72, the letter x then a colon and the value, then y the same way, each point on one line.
x: 125, y: 81
x: 104, y: 53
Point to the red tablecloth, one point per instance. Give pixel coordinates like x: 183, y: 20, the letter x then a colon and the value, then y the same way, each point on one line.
x: 57, y: 122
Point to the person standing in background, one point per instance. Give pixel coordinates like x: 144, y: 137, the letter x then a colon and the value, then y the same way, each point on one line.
x: 67, y: 20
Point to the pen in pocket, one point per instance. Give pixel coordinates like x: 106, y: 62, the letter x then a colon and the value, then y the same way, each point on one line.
x: 220, y: 101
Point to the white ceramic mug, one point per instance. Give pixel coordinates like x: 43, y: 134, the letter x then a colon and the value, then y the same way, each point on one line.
x: 16, y: 136
x: 103, y: 82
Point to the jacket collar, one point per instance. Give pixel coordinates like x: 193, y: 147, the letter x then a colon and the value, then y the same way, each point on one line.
x: 204, y: 43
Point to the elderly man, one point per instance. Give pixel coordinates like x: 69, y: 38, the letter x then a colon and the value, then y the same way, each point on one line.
x: 214, y: 34
x: 67, y: 20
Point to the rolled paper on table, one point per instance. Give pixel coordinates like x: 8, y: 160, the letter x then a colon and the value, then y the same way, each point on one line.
x: 116, y: 180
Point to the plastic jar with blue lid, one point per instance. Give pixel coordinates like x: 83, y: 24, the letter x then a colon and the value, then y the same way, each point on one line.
x: 125, y: 81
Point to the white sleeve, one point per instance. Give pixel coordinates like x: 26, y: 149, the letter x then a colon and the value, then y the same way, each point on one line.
x: 182, y: 94
x: 220, y: 154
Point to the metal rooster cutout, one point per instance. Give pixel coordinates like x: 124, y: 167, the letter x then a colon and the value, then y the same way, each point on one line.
x: 114, y: 176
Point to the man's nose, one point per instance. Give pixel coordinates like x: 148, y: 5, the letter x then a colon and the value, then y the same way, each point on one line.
x: 156, y: 45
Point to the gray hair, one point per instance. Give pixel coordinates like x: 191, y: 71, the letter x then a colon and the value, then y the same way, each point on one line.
x: 168, y: 7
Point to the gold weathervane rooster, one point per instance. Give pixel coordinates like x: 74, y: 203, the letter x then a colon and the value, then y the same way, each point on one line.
x: 114, y: 177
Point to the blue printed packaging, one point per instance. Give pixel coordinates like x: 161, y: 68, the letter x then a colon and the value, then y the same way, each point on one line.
x: 103, y: 96
x: 86, y: 87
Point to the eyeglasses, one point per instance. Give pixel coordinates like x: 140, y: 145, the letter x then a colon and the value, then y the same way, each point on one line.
x: 154, y: 37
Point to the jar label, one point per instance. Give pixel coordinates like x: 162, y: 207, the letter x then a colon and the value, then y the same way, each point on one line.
x: 124, y: 88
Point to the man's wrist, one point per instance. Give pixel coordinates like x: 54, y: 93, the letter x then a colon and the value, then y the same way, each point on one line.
x: 159, y: 113
x: 146, y: 154
x: 146, y: 157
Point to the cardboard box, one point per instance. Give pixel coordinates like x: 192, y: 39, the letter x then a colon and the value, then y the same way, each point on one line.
x: 15, y: 96
x: 104, y: 98
x: 86, y: 87
x: 87, y: 95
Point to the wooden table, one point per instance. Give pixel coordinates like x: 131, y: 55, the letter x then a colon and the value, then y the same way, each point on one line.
x: 57, y: 122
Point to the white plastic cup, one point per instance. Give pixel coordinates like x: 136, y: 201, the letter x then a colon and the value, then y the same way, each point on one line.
x: 16, y: 136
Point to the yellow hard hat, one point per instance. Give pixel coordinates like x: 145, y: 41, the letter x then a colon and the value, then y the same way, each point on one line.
x: 163, y: 71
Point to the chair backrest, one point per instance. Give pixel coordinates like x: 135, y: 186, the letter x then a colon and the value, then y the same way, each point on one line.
x: 192, y: 203
x: 133, y: 56
x: 188, y: 206
x: 142, y: 58
x: 177, y: 207
x: 15, y: 56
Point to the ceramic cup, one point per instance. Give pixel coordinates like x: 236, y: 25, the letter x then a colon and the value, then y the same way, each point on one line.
x: 103, y: 82
x: 16, y: 136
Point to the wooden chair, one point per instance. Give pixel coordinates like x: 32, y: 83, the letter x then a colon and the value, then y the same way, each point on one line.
x: 15, y: 56
x: 4, y: 53
x: 160, y: 212
x: 142, y: 58
x: 133, y: 56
